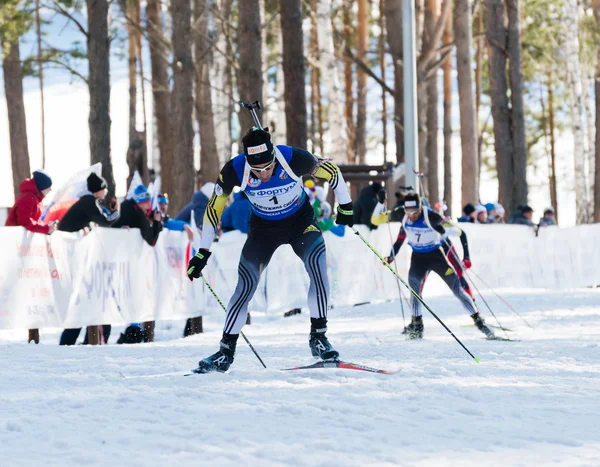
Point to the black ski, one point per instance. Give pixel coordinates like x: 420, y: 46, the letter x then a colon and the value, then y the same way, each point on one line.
x: 342, y: 365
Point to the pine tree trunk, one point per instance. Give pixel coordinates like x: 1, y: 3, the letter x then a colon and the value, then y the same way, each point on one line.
x: 144, y: 162
x: 221, y: 78
x: 250, y: 80
x: 553, y: 191
x: 209, y: 156
x: 349, y: 87
x: 17, y: 124
x: 315, y: 93
x: 503, y: 144
x: 132, y: 66
x: 577, y: 110
x: 597, y: 123
x: 278, y: 124
x: 381, y: 49
x: 519, y: 183
x: 294, y: 72
x: 182, y: 106
x: 160, y: 92
x: 478, y: 90
x: 587, y: 84
x: 38, y: 27
x: 330, y: 81
x: 99, y: 87
x: 393, y: 21
x: 361, y: 82
x: 468, y: 129
x: 447, y: 68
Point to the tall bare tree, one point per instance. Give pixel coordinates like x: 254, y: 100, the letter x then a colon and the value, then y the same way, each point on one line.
x: 182, y: 106
x: 17, y: 124
x: 209, y: 156
x: 447, y: 68
x: 99, y: 87
x: 393, y: 22
x: 503, y: 142
x: 361, y: 81
x: 597, y: 142
x: 577, y: 109
x: 349, y: 34
x: 38, y: 31
x: 330, y: 80
x: 468, y: 129
x: 552, y: 165
x: 515, y: 72
x: 221, y: 80
x: 130, y: 10
x: 293, y: 71
x: 431, y: 150
x: 382, y: 65
x: 159, y: 62
x: 250, y: 78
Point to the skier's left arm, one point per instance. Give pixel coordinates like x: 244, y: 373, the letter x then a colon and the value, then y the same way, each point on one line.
x: 303, y: 162
x: 437, y: 222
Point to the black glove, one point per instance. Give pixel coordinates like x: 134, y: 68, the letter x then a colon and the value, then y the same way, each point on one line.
x: 381, y: 196
x: 197, y: 263
x: 345, y: 215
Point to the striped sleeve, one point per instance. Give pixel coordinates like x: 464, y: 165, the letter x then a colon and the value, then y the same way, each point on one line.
x: 227, y: 180
x: 328, y: 170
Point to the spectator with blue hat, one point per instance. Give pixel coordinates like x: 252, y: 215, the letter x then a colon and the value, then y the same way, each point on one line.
x: 135, y: 212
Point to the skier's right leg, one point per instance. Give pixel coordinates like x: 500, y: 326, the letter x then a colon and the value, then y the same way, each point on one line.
x: 256, y: 254
x: 417, y: 274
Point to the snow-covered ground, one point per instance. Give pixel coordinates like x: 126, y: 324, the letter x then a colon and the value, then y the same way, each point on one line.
x: 533, y: 402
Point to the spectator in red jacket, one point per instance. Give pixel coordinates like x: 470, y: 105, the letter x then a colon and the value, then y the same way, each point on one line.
x: 27, y: 209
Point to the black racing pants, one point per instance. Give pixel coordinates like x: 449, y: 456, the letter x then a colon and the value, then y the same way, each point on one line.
x: 300, y: 231
x: 421, y: 264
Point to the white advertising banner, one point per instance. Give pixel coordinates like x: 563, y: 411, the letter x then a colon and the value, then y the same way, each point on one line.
x: 111, y: 276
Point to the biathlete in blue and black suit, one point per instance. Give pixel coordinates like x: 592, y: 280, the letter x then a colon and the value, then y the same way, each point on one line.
x: 423, y: 229
x: 271, y: 177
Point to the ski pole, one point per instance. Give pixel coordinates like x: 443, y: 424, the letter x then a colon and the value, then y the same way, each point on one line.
x: 503, y: 301
x: 415, y: 294
x: 464, y: 271
x: 225, y: 310
x: 397, y: 281
x: 486, y: 303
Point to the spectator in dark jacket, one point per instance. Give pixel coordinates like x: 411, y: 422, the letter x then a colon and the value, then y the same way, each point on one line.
x: 197, y: 205
x: 523, y: 216
x: 88, y: 209
x: 27, y: 211
x: 237, y: 215
x: 134, y: 214
x: 468, y: 213
x: 79, y: 216
x: 365, y: 205
x: 548, y: 218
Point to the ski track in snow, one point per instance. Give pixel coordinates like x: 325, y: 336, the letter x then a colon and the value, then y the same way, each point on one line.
x: 533, y: 402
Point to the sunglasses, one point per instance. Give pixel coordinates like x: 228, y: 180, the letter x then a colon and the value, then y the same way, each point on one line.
x: 263, y: 169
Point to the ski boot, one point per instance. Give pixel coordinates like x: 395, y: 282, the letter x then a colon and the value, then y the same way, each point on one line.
x: 318, y: 342
x: 480, y: 323
x: 415, y: 329
x: 221, y: 360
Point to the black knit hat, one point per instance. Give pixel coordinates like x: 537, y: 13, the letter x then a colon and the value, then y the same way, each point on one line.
x: 412, y: 201
x: 95, y: 183
x: 258, y: 146
x: 42, y: 180
x: 469, y: 209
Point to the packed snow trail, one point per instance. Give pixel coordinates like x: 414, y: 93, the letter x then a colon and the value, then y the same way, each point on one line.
x: 533, y: 402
